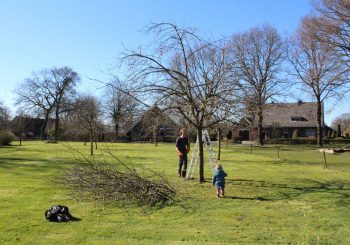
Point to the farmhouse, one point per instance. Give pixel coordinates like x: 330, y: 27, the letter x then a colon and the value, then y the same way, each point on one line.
x: 154, y: 124
x: 281, y: 120
x: 30, y: 127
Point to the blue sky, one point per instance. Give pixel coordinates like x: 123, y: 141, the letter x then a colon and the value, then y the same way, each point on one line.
x: 87, y: 35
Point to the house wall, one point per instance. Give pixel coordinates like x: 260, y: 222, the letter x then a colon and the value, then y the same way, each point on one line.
x: 282, y: 132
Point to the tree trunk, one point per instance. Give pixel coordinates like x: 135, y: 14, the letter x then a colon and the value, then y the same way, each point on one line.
x: 56, y: 122
x: 117, y: 117
x: 260, y: 127
x: 219, y: 144
x: 339, y: 131
x: 91, y: 143
x: 43, y: 127
x: 319, y: 123
x: 56, y: 128
x: 155, y: 137
x: 201, y: 158
x: 116, y: 128
x: 20, y: 139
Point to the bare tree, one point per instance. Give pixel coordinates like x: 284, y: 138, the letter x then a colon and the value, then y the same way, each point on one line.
x: 119, y: 104
x: 333, y: 26
x: 62, y: 90
x: 4, y: 117
x: 183, y: 72
x: 344, y: 121
x: 88, y: 114
x: 321, y: 73
x: 33, y: 96
x: 256, y: 59
x: 44, y: 93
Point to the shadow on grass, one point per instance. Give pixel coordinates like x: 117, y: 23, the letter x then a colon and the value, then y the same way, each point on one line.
x: 337, y: 191
x: 249, y: 198
x: 37, y: 165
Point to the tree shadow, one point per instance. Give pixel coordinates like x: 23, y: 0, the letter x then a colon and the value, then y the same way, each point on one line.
x: 338, y: 191
x: 249, y: 198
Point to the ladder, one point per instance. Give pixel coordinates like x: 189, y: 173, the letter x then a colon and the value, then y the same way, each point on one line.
x: 195, y: 154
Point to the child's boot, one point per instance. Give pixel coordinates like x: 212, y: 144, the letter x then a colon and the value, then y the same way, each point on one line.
x: 184, y: 174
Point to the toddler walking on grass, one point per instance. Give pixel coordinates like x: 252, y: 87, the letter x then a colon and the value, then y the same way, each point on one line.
x: 219, y: 180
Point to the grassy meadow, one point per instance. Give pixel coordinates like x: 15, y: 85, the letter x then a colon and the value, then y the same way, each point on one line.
x: 287, y: 199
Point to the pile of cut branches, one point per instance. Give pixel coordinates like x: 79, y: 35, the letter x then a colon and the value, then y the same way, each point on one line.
x: 106, y: 183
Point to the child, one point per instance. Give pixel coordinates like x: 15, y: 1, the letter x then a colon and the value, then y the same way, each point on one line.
x: 219, y: 180
x: 182, y: 147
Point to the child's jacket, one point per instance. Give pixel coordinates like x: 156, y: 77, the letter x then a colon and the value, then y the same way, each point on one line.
x: 219, y: 178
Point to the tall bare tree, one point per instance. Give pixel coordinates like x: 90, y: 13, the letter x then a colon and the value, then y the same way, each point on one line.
x: 320, y: 71
x: 183, y: 72
x: 32, y: 95
x: 256, y: 57
x: 45, y: 91
x: 62, y: 91
x: 333, y: 26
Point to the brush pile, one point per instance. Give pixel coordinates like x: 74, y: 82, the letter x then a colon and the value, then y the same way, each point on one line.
x: 104, y: 182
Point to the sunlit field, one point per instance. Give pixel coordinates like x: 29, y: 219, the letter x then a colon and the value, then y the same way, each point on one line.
x: 285, y: 197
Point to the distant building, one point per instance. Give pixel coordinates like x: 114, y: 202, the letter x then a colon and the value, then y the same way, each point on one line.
x: 280, y: 120
x: 154, y: 123
x: 31, y: 127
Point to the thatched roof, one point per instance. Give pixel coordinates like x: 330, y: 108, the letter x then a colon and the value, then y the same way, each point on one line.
x: 300, y: 114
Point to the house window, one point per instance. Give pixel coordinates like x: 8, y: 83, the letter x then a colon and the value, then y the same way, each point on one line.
x: 244, y: 134
x: 310, y: 132
x: 285, y: 133
x: 298, y: 119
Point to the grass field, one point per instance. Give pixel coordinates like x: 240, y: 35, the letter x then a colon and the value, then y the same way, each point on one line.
x: 292, y: 199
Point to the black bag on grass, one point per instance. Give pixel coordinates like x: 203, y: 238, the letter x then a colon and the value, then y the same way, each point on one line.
x: 58, y: 213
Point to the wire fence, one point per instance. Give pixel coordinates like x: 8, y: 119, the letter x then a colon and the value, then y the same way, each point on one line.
x: 300, y: 154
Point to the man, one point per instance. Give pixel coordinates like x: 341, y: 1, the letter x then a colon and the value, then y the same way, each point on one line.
x: 182, y: 147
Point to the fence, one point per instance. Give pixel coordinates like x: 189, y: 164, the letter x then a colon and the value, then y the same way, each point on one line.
x: 307, y: 141
x: 295, y: 154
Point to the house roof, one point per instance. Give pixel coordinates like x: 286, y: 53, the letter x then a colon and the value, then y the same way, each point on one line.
x: 147, y: 119
x: 300, y: 114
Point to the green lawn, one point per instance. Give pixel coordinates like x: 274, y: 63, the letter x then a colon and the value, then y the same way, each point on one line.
x: 292, y: 199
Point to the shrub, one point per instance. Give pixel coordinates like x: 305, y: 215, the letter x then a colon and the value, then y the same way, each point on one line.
x: 347, y: 135
x: 6, y: 137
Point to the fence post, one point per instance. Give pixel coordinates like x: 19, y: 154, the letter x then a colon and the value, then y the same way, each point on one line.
x: 251, y: 149
x: 278, y: 152
x: 325, y: 159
